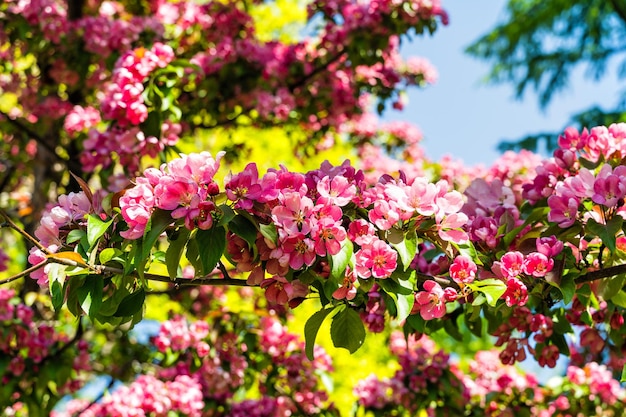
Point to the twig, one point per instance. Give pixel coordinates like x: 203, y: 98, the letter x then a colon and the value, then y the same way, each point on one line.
x: 38, y: 138
x: 178, y: 281
x: 21, y: 231
x: 23, y: 273
x: 97, y: 398
x: 601, y: 273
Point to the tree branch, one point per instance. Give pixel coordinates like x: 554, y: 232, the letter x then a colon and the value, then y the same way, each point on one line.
x: 601, y: 273
x: 21, y: 231
x: 23, y: 273
x: 178, y: 281
x: 292, y: 86
x: 38, y: 138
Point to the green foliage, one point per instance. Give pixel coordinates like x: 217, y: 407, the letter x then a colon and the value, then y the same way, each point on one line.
x: 540, y: 43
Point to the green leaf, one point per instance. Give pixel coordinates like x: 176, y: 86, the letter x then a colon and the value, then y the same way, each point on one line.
x: 339, y: 261
x: 619, y: 299
x: 404, y: 304
x: 269, y: 232
x: 623, y: 378
x: 175, y: 252
x: 567, y: 286
x: 152, y: 125
x: 57, y: 294
x: 227, y: 215
x: 610, y: 286
x: 452, y: 328
x: 311, y: 328
x: 607, y: 233
x: 193, y: 255
x: 397, y: 287
x: 492, y: 289
x: 243, y: 228
x: 211, y: 245
x: 159, y: 221
x: 131, y: 304
x: 96, y: 228
x: 109, y: 254
x: 406, y: 248
x: 475, y: 326
x: 90, y: 295
x: 347, y: 330
x: 468, y: 250
x: 417, y: 323
x: 75, y: 235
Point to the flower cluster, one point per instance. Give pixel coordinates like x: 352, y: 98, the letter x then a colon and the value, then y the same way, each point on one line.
x: 423, y: 369
x: 147, y: 395
x: 201, y: 367
x: 184, y: 186
x: 55, y: 224
x: 123, y: 101
x: 31, y: 347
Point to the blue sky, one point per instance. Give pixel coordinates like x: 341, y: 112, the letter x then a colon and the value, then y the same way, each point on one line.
x: 465, y: 118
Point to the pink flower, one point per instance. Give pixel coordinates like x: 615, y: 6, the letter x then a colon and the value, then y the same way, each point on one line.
x: 549, y: 246
x: 172, y: 192
x: 347, y: 290
x: 418, y: 197
x: 361, y: 231
x: 196, y: 213
x: 516, y: 292
x: 300, y: 251
x: 243, y: 187
x: 511, y: 264
x: 136, y: 205
x: 277, y: 290
x: 328, y: 235
x: 537, y: 264
x: 376, y: 259
x: 338, y: 191
x: 563, y: 210
x: 548, y: 356
x: 384, y: 215
x: 608, y: 190
x: 431, y: 301
x: 280, y: 291
x: 463, y: 270
x: 293, y: 214
x: 449, y: 228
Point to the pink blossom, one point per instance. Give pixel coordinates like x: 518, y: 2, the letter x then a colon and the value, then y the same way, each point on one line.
x: 361, y: 231
x: 463, y: 270
x: 172, y: 192
x: 431, y: 301
x: 277, y: 290
x: 376, y: 259
x: 550, y: 246
x: 608, y: 190
x: 346, y: 290
x: 449, y: 228
x: 516, y: 292
x: 384, y: 214
x: 337, y: 191
x: 299, y: 249
x: 328, y: 234
x: 563, y: 210
x: 512, y: 264
x: 81, y: 119
x: 537, y: 264
x: 137, y: 204
x: 244, y: 187
x: 418, y: 197
x: 293, y: 213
